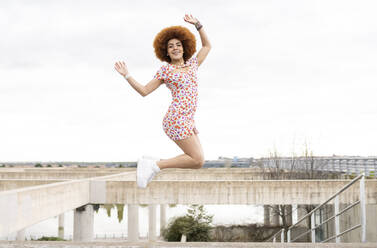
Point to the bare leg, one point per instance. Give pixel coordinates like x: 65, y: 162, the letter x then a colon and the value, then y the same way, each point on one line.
x: 192, y: 158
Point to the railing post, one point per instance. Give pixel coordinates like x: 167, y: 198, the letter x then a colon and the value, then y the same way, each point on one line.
x: 363, y: 210
x: 282, y: 236
x: 313, y: 227
x: 337, y: 226
x: 289, y: 236
x: 366, y: 167
x: 274, y: 239
x: 348, y: 166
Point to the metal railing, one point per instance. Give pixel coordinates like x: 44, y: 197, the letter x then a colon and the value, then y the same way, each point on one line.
x: 347, y: 164
x: 336, y: 216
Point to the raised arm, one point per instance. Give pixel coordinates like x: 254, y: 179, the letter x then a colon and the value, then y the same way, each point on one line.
x: 206, y: 45
x: 141, y: 89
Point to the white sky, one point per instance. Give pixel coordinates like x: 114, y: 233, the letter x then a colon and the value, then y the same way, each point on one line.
x: 280, y: 73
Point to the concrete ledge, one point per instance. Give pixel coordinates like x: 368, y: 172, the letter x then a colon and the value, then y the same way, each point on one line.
x: 21, y: 208
x: 52, y: 175
x: 9, y: 184
x: 235, y: 192
x: 66, y: 244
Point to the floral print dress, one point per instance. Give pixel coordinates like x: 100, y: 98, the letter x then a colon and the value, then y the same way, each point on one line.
x: 178, y: 122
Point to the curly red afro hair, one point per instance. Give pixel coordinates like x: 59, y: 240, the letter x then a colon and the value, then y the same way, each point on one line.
x: 183, y: 34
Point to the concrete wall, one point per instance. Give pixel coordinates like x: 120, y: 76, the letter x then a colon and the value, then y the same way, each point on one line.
x: 233, y: 192
x: 352, y: 217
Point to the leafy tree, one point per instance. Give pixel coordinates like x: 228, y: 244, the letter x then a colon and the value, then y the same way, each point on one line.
x: 108, y: 208
x: 196, y: 225
x: 120, y: 210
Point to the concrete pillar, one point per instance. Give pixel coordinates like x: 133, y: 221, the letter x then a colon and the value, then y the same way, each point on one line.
x: 133, y: 222
x: 61, y: 226
x: 301, y: 211
x: 266, y: 210
x: 275, y: 215
x: 152, y: 222
x: 83, y: 218
x: 21, y: 235
x: 162, y: 217
x: 288, y: 214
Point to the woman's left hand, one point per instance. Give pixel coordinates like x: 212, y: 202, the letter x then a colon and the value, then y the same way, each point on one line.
x: 190, y: 19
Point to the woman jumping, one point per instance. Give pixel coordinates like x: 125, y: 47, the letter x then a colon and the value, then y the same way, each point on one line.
x: 176, y: 46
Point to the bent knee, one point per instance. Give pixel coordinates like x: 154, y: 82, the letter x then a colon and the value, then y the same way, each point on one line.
x: 198, y: 162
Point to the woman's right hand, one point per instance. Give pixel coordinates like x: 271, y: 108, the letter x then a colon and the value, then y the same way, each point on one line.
x: 121, y: 68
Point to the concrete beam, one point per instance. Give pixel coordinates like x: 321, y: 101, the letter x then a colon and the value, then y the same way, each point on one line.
x: 21, y: 208
x: 167, y: 174
x: 234, y: 192
x: 9, y: 184
x: 51, y: 175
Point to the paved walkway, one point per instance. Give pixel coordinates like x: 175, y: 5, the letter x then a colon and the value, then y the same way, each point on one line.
x: 66, y: 244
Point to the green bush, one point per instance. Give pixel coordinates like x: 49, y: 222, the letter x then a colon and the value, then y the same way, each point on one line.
x: 50, y: 239
x: 196, y: 225
x: 38, y: 165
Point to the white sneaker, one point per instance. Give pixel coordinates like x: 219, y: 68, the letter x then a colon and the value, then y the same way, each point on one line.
x: 146, y: 170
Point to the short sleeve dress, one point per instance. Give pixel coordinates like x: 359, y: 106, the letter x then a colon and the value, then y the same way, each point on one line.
x: 178, y: 122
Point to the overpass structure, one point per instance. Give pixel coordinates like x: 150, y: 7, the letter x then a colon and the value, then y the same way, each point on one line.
x: 351, y: 165
x: 28, y: 196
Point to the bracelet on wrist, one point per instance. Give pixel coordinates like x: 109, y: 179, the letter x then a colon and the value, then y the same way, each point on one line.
x: 198, y: 26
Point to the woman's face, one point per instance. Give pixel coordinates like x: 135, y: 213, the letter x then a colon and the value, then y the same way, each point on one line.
x: 175, y: 49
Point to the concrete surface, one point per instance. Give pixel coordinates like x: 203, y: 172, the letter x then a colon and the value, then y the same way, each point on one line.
x: 62, y: 244
x: 233, y: 192
x: 22, y: 207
